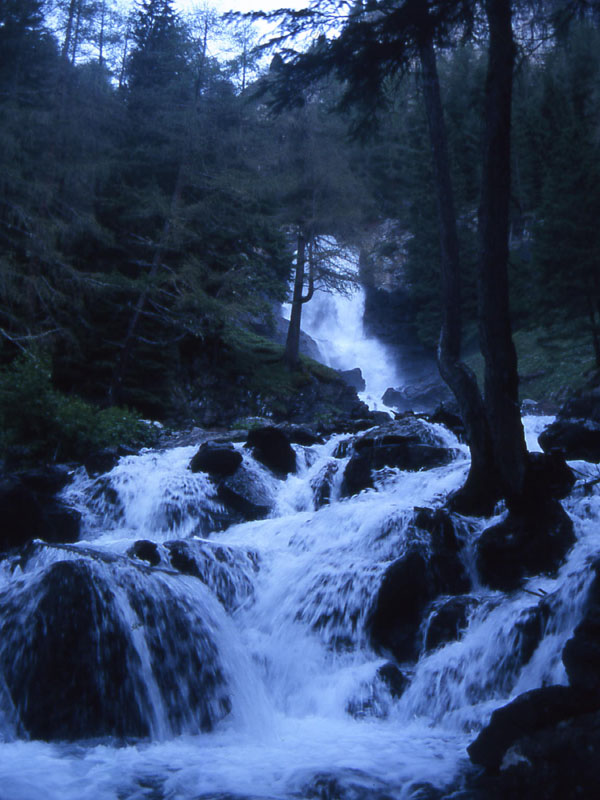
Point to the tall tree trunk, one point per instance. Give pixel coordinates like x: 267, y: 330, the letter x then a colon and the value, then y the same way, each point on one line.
x: 480, y: 491
x: 292, y: 343
x: 501, y: 376
x: 291, y: 353
x: 69, y: 29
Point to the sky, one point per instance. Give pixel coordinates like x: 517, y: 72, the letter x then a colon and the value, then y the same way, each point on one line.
x: 240, y: 5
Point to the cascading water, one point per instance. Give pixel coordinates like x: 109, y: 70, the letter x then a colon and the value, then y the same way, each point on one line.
x: 237, y: 663
x: 334, y: 320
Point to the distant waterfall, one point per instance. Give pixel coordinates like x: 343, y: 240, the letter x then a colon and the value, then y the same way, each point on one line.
x: 334, y: 320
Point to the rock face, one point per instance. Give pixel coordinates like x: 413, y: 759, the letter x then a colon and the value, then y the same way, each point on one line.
x: 530, y: 712
x: 29, y: 509
x: 522, y: 545
x: 271, y: 447
x: 546, y: 742
x: 581, y: 655
x: 354, y: 378
x: 246, y: 496
x: 218, y: 459
x: 225, y: 570
x: 407, y: 444
x: 89, y: 645
x: 430, y: 567
x: 576, y: 431
x: 447, y: 621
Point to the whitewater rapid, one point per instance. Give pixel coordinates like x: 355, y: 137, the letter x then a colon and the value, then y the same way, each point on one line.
x: 308, y: 712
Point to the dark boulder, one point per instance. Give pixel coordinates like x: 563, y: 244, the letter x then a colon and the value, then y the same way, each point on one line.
x: 424, y: 395
x: 443, y: 416
x: 47, y: 480
x: 145, y: 550
x: 58, y: 683
x: 407, y: 444
x: 585, y: 404
x: 71, y: 657
x: 581, y: 654
x: 530, y: 712
x: 218, y: 459
x: 547, y: 476
x: 322, y: 484
x: 357, y: 475
x: 522, y: 545
x: 448, y: 619
x: 27, y: 513
x: 354, y: 378
x: 573, y: 438
x: 394, y: 678
x: 97, y: 462
x: 302, y: 434
x: 429, y: 568
x: 271, y: 447
x: 227, y: 571
x: 245, y: 496
x: 576, y: 431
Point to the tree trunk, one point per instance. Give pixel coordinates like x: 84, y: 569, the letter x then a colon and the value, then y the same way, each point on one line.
x: 69, y: 29
x: 291, y: 354
x: 480, y: 491
x: 501, y: 376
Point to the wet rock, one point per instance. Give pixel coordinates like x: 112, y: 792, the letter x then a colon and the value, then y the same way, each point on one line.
x: 394, y: 678
x: 345, y: 784
x: 271, y: 447
x: 27, y: 514
x: 358, y: 475
x: 99, y: 461
x: 407, y: 444
x: 301, y: 434
x: 322, y: 484
x: 574, y: 439
x: 423, y: 396
x: 227, y: 571
x: 145, y: 550
x: 57, y: 681
x: 443, y: 416
x: 530, y: 712
x: 529, y: 630
x: 447, y: 621
x: 522, y: 545
x: 547, y: 476
x: 245, y: 495
x: 576, y: 431
x: 70, y: 653
x: 218, y: 459
x: 426, y: 570
x: 354, y: 378
x: 581, y: 654
x: 48, y: 480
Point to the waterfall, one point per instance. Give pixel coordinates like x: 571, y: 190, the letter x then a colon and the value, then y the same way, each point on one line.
x: 334, y: 320
x: 228, y: 659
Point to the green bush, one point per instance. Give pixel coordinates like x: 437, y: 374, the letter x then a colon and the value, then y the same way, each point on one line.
x: 39, y: 422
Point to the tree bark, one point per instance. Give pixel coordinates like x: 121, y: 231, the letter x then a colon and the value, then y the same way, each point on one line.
x: 291, y: 354
x: 497, y: 347
x: 480, y: 491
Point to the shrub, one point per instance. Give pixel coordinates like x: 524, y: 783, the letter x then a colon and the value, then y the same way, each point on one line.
x: 39, y: 422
